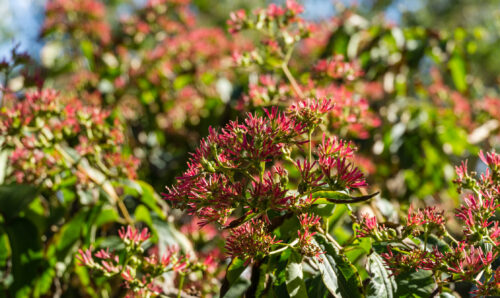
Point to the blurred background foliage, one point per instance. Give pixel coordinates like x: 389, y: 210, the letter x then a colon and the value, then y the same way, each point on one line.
x: 165, y: 70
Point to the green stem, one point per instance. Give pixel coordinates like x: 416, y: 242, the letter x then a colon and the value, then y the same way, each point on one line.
x: 426, y: 235
x: 262, y: 170
x: 285, y: 247
x: 295, y: 85
x: 450, y: 237
x: 181, y: 284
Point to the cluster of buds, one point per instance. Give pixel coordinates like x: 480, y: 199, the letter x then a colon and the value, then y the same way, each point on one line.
x: 428, y: 219
x: 66, y: 16
x: 281, y: 28
x: 250, y: 241
x: 243, y: 167
x: 336, y: 68
x: 50, y: 136
x: 468, y: 260
x: 139, y: 269
x: 309, y: 223
x: 265, y: 91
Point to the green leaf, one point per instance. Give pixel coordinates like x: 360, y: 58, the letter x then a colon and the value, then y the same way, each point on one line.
x: 458, y: 71
x: 323, y: 210
x: 415, y: 284
x: 233, y: 283
x: 295, y: 277
x: 316, y: 288
x: 325, y: 197
x: 168, y: 235
x: 150, y: 198
x: 181, y: 81
x: 14, y: 198
x: 26, y: 254
x: 69, y: 234
x: 106, y: 215
x: 440, y: 244
x: 88, y: 51
x: 339, y: 275
x: 382, y: 284
x: 141, y: 213
x: 237, y: 289
x: 235, y: 269
x: 338, y: 197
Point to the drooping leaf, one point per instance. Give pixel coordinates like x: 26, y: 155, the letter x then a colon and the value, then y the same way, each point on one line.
x: 237, y: 289
x: 338, y: 197
x: 339, y: 275
x: 14, y: 198
x: 382, y: 283
x: 168, y: 235
x: 415, y: 284
x: 235, y: 269
x: 26, y: 254
x: 141, y: 213
x: 295, y: 276
x: 316, y: 288
x: 233, y: 273
x: 70, y: 233
x: 106, y: 215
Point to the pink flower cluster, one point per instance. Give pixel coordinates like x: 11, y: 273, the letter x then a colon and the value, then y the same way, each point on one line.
x: 86, y: 17
x: 250, y: 241
x: 309, y: 223
x: 337, y: 68
x: 468, y: 260
x: 139, y: 270
x: 41, y: 128
x: 273, y: 13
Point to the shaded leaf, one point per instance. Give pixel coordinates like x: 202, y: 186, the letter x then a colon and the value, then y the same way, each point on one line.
x: 26, y: 254
x: 382, y: 284
x: 339, y: 275
x: 232, y: 279
x: 14, y: 198
x: 415, y: 284
x: 294, y: 276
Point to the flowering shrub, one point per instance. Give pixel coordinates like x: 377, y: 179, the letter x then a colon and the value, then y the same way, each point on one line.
x: 40, y: 129
x: 242, y: 172
x: 424, y: 243
x: 162, y: 71
x: 275, y: 203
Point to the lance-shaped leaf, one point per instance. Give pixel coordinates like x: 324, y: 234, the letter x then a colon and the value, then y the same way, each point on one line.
x: 338, y: 197
x: 339, y: 275
x: 382, y: 283
x: 233, y: 273
x: 295, y: 277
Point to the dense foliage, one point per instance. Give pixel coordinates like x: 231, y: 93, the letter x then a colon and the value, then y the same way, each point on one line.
x: 170, y: 152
